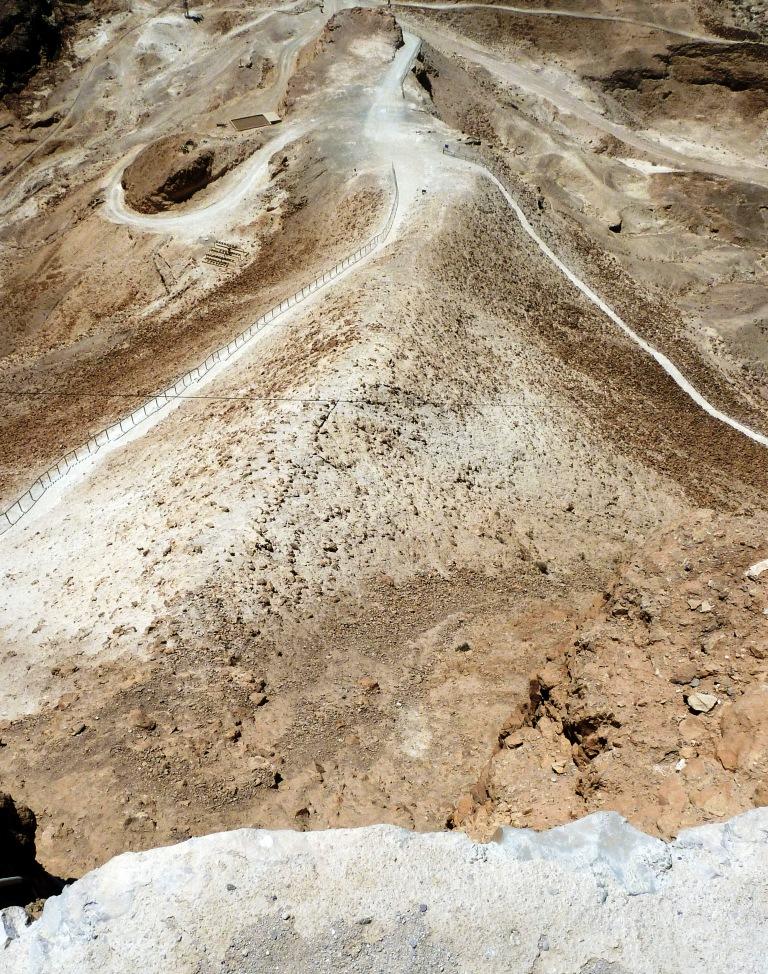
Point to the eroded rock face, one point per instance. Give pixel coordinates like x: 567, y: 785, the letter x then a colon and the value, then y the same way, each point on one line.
x: 36, y: 32
x: 17, y: 826
x: 657, y: 709
x: 595, y: 896
x: 173, y: 170
x: 744, y: 742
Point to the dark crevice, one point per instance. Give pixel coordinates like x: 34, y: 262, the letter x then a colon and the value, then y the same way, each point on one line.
x: 23, y: 881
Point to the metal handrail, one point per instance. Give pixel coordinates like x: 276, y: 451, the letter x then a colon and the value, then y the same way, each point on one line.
x: 11, y: 881
x: 13, y: 514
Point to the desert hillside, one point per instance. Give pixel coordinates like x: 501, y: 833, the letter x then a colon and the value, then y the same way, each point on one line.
x: 384, y: 420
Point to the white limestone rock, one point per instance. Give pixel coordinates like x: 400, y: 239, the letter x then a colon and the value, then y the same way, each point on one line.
x: 12, y: 922
x: 593, y: 897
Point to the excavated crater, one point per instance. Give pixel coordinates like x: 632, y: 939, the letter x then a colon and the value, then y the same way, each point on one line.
x: 175, y: 169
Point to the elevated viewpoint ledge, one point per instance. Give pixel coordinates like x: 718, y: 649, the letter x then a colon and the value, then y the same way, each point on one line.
x: 592, y: 897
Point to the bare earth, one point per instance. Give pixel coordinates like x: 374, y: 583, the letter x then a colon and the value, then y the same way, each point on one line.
x: 443, y: 548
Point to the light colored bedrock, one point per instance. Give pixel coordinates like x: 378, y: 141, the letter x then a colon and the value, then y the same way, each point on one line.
x: 592, y: 897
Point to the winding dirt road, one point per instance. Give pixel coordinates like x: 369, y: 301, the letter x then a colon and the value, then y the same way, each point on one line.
x: 573, y: 14
x: 381, y: 119
x: 91, y: 79
x: 389, y: 134
x: 529, y: 80
x: 668, y: 366
x: 252, y: 177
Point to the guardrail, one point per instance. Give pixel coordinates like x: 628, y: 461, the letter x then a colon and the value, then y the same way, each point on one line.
x: 110, y: 434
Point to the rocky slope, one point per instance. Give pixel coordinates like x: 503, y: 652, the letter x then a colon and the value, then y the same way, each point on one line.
x: 658, y: 704
x: 445, y: 546
x: 28, y: 32
x: 33, y: 32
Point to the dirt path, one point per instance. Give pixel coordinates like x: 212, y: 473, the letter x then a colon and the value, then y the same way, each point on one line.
x: 270, y: 99
x: 573, y: 14
x: 302, y: 567
x: 381, y: 122
x: 669, y: 367
x: 529, y: 80
x: 250, y: 178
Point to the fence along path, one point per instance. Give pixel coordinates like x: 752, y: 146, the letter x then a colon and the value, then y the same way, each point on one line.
x: 110, y: 434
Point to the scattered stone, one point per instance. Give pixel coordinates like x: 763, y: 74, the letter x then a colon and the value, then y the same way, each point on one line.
x: 232, y: 730
x: 757, y: 570
x: 684, y: 673
x: 701, y: 703
x: 139, y: 719
x: 513, y: 740
x: 744, y: 727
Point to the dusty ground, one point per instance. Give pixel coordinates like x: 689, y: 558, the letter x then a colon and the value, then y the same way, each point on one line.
x: 614, y: 717
x: 427, y: 554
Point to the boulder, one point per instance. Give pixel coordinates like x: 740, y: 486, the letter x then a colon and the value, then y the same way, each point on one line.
x: 744, y: 728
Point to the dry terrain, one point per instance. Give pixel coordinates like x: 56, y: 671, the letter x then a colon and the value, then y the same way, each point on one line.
x: 444, y: 546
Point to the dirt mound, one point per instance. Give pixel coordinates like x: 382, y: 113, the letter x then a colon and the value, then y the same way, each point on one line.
x: 353, y: 37
x: 658, y: 709
x: 364, y: 23
x: 173, y: 170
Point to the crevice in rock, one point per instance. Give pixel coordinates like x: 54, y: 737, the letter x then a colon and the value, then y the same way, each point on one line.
x: 23, y: 881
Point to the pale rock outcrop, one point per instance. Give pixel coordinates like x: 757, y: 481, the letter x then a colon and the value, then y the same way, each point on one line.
x: 592, y: 897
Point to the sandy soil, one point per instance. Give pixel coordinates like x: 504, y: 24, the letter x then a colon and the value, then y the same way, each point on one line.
x: 412, y: 550
x: 656, y: 707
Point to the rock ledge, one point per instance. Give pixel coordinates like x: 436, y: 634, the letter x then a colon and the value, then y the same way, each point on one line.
x: 593, y: 897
